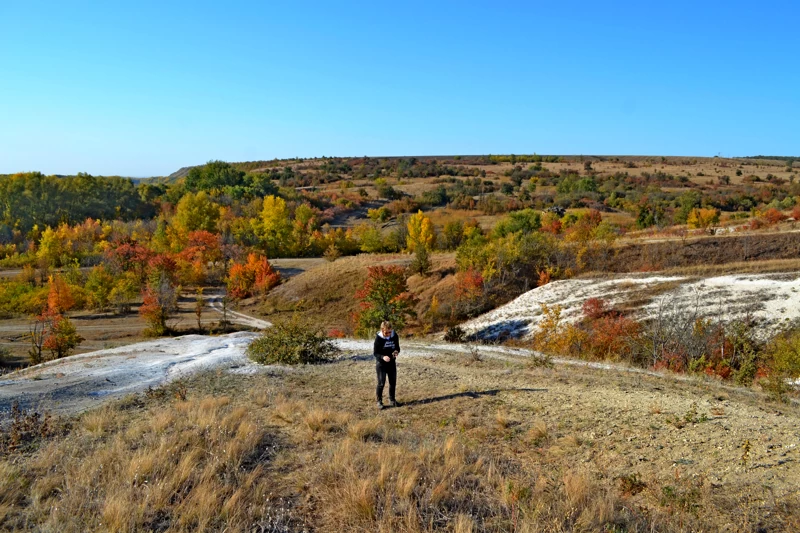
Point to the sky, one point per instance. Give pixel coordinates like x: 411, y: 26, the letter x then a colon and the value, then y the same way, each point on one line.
x: 144, y: 88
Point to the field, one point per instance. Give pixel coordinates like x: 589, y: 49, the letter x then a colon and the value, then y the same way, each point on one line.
x: 486, y: 440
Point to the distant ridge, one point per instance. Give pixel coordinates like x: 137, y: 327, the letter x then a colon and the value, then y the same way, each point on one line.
x: 774, y: 157
x: 180, y: 173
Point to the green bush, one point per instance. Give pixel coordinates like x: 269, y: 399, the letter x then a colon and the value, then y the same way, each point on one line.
x: 293, y: 342
x: 19, y: 298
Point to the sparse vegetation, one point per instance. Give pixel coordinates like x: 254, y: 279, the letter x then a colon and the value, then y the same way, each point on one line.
x: 292, y: 342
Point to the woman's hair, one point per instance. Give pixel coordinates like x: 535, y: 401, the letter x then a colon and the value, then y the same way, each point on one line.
x: 386, y: 325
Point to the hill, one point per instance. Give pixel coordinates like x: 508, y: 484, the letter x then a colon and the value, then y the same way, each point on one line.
x: 485, y: 439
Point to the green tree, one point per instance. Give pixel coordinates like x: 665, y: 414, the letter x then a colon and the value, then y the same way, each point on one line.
x: 371, y: 238
x: 214, y: 176
x: 524, y: 220
x: 99, y: 285
x: 384, y: 296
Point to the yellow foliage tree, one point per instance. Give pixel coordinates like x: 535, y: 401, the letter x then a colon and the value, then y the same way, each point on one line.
x: 702, y: 218
x: 196, y: 212
x: 50, y: 248
x: 276, y: 224
x: 420, y: 232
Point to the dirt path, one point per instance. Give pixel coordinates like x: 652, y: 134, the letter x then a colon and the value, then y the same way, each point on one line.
x: 215, y: 303
x: 80, y: 382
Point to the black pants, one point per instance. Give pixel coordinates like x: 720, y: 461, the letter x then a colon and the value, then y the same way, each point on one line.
x: 385, y: 370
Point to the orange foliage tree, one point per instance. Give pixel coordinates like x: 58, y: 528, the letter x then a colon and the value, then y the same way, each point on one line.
x: 255, y: 276
x: 200, y: 260
x: 470, y: 293
x: 51, y: 329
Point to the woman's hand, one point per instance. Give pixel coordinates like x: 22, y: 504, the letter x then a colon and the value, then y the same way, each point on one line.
x: 395, y: 353
x: 387, y: 358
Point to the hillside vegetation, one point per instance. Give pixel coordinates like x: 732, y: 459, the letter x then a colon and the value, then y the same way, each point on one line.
x: 482, y: 231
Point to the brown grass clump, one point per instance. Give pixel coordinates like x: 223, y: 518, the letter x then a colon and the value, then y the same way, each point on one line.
x: 394, y: 488
x: 537, y: 434
x: 320, y: 421
x: 365, y: 430
x: 189, y: 467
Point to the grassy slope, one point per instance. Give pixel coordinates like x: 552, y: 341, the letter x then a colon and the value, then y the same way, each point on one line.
x: 480, y: 445
x: 325, y: 292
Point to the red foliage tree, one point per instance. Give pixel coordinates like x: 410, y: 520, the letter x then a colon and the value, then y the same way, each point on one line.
x: 128, y: 255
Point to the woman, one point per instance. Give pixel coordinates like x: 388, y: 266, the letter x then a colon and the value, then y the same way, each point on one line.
x: 387, y: 346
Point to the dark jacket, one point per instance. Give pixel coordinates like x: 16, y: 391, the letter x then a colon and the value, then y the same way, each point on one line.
x: 384, y: 346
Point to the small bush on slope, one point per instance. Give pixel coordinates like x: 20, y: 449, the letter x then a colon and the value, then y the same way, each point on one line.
x: 294, y: 342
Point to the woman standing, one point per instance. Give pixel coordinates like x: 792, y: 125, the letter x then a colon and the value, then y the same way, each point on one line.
x: 387, y: 346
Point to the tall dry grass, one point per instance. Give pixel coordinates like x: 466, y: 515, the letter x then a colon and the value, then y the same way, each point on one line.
x: 212, y: 463
x: 193, y: 466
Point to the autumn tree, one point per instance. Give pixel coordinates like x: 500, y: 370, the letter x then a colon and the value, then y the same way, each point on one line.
x: 420, y: 232
x: 276, y: 225
x: 303, y: 227
x: 703, y: 218
x: 59, y: 297
x: 61, y: 336
x: 51, y: 329
x: 196, y: 211
x: 469, y: 294
x: 159, y: 299
x: 202, y: 258
x: 128, y: 255
x: 125, y: 290
x: 99, y: 284
x: 384, y: 296
x: 160, y: 296
x: 255, y: 276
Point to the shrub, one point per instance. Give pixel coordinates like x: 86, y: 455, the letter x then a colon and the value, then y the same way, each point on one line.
x: 421, y: 264
x: 61, y: 337
x: 455, y: 334
x: 293, y: 342
x: 703, y: 218
x: 332, y: 253
x: 254, y: 276
x: 783, y: 355
x: 773, y: 216
x: 384, y: 296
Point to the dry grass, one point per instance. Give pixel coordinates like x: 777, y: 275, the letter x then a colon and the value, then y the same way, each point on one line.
x: 306, y: 450
x: 743, y: 267
x: 186, y: 468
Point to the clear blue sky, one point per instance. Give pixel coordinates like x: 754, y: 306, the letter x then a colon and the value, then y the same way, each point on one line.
x: 144, y: 89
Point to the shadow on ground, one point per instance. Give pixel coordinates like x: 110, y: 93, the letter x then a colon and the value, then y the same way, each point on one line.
x: 508, y: 329
x: 468, y: 394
